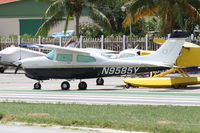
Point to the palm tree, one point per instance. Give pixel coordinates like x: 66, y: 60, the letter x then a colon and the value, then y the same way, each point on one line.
x: 60, y: 10
x: 169, y: 11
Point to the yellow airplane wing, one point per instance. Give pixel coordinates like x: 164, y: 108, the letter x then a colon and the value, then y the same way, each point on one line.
x: 189, y: 57
x: 146, y: 52
x: 159, y: 40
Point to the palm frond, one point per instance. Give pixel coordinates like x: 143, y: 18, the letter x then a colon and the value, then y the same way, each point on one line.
x: 127, y: 20
x: 133, y: 6
x: 141, y: 13
x: 100, y: 16
x: 139, y: 9
x: 53, y: 8
x: 167, y: 22
x: 144, y: 12
x: 50, y: 22
x: 194, y: 3
x: 193, y: 12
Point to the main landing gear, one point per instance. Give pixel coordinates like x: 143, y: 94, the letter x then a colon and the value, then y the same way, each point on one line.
x: 2, y: 69
x: 82, y: 85
x: 64, y: 86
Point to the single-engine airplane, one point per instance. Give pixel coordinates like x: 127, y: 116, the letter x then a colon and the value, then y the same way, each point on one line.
x: 75, y: 63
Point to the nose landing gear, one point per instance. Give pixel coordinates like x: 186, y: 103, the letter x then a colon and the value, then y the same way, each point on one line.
x: 65, y: 85
x: 37, y: 86
x: 99, y: 81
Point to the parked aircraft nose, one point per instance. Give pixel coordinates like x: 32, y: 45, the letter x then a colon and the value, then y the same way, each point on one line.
x: 6, y: 59
x: 1, y: 58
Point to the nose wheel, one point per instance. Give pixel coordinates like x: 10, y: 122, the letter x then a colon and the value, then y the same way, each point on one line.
x: 100, y: 81
x: 65, y: 85
x: 82, y: 85
x: 37, y: 86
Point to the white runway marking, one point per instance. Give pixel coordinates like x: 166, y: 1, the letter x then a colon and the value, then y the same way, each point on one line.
x: 90, y: 98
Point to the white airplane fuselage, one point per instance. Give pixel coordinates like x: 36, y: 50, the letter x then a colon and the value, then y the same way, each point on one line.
x: 41, y: 68
x: 75, y: 63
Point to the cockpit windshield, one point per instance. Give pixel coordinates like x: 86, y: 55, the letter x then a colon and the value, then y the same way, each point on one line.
x: 51, y: 55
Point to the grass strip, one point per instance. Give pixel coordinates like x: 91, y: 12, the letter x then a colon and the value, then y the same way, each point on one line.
x: 158, y: 119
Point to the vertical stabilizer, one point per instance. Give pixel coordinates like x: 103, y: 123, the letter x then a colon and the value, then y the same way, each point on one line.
x: 167, y: 54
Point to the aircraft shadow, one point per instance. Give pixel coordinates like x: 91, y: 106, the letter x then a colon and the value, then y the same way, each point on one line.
x: 80, y: 90
x: 12, y: 72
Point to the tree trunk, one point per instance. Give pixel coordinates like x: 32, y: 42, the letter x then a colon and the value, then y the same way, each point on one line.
x: 77, y: 25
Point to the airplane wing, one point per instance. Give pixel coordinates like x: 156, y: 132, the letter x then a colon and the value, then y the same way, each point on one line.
x: 60, y: 49
x: 159, y: 40
x: 189, y: 45
x: 30, y: 45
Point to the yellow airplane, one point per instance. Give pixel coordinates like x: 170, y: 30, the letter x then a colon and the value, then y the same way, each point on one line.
x: 188, y: 58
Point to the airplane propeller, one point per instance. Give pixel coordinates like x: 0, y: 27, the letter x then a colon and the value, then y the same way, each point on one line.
x: 17, y: 68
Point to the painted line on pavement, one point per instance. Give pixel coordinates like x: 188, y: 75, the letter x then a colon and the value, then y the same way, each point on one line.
x: 104, y: 92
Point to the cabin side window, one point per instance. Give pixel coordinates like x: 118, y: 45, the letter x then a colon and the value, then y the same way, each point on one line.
x: 50, y: 55
x: 64, y: 57
x: 83, y: 58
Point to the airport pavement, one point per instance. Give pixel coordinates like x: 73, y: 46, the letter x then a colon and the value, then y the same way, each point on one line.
x: 21, y: 128
x: 19, y: 88
x: 34, y: 129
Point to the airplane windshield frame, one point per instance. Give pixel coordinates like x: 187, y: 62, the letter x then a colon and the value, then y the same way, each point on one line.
x: 51, y: 55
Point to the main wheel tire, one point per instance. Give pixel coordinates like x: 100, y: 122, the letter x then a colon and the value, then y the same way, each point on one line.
x: 65, y: 85
x: 37, y: 86
x: 82, y: 85
x: 100, y: 81
x: 2, y: 70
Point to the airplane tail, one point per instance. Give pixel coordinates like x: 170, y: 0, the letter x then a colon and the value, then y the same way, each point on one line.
x: 167, y: 54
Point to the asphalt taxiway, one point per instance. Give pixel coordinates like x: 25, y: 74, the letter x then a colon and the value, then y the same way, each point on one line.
x: 17, y: 87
